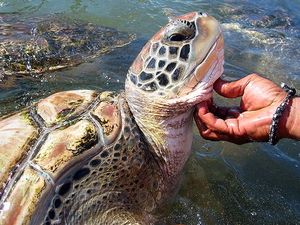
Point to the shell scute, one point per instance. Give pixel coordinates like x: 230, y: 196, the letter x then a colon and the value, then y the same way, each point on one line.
x: 108, y: 115
x: 63, y: 105
x: 17, y: 134
x: 23, y: 199
x: 63, y: 145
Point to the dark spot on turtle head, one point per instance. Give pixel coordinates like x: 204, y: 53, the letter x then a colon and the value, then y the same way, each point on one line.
x: 145, y: 76
x: 171, y: 66
x: 81, y: 173
x: 173, y: 50
x: 64, y: 188
x: 127, y: 120
x: 117, y: 147
x: 57, y: 203
x: 126, y: 129
x: 176, y: 74
x: 163, y: 79
x: 150, y: 87
x: 133, y: 78
x: 51, y: 214
x: 151, y: 64
x: 95, y: 162
x: 104, y: 154
x: 185, y: 51
x: 117, y: 154
x: 162, y: 50
x: 161, y: 63
x: 155, y: 47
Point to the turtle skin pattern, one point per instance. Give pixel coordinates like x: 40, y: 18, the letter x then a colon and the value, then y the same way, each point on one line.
x: 75, y: 155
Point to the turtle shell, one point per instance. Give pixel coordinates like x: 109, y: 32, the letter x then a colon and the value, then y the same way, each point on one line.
x: 36, y: 45
x: 71, y: 151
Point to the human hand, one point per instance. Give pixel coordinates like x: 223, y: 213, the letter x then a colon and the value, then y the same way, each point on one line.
x: 250, y: 121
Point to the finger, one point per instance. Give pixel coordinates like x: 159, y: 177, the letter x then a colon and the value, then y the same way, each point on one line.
x: 210, y: 120
x: 232, y: 89
x: 203, y: 108
x: 207, y: 133
x: 215, y: 136
x: 201, y: 126
x: 212, y: 135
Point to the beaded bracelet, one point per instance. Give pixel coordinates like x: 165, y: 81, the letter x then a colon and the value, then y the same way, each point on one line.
x: 278, y: 113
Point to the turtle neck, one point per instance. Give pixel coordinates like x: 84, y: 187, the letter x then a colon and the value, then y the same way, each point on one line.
x: 166, y: 125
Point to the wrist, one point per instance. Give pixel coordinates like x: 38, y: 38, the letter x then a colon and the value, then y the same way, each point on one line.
x: 289, y: 125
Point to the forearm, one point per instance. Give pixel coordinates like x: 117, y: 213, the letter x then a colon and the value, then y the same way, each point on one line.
x: 289, y: 126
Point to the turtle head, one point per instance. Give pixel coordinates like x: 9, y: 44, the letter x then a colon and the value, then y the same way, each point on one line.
x: 174, y: 71
x: 181, y: 61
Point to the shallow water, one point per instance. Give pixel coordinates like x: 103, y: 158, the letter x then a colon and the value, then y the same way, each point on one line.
x: 223, y: 183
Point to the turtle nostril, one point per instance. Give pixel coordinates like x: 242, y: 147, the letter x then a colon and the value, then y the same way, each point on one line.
x: 202, y: 14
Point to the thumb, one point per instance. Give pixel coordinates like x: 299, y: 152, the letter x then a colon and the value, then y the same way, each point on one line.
x: 232, y: 89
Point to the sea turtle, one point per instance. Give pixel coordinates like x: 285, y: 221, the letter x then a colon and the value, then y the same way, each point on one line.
x: 82, y: 157
x: 36, y: 45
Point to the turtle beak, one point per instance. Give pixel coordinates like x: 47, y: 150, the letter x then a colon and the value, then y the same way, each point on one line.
x: 207, y: 55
